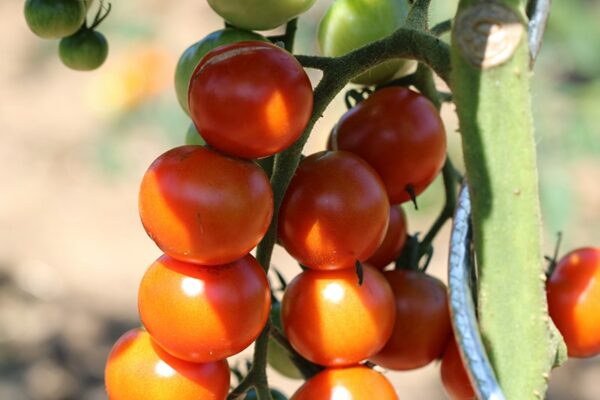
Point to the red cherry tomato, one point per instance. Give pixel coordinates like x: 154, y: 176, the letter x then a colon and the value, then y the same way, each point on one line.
x: 422, y: 327
x: 250, y: 99
x: 454, y: 377
x: 360, y: 383
x: 400, y: 134
x: 203, y: 207
x: 334, y: 212
x: 573, y: 293
x: 138, y: 369
x: 204, y: 313
x: 330, y: 320
x: 393, y: 242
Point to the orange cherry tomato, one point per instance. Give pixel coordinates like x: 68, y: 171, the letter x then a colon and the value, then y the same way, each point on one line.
x: 203, y: 207
x: 401, y: 135
x: 422, y: 327
x: 250, y: 99
x: 334, y: 213
x: 359, y: 383
x: 204, y: 313
x: 139, y: 369
x: 573, y: 293
x: 454, y: 376
x: 393, y: 242
x: 331, y: 320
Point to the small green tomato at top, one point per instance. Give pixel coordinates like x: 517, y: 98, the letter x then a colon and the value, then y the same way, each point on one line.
x: 86, y: 50
x: 55, y: 19
x: 259, y: 15
x: 350, y: 24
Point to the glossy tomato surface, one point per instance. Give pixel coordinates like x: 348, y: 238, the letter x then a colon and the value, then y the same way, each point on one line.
x: 139, y: 369
x: 353, y: 383
x: 393, y: 242
x: 250, y: 99
x: 573, y: 293
x: 259, y: 14
x: 401, y: 135
x: 422, y: 328
x: 334, y: 213
x: 204, y: 207
x: 54, y: 19
x: 331, y: 320
x: 204, y: 313
x: 454, y: 376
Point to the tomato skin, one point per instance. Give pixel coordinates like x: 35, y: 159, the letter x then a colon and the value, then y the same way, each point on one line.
x: 250, y: 99
x: 454, y: 376
x: 85, y: 50
x: 346, y: 383
x: 54, y: 19
x: 203, y: 207
x: 422, y: 328
x: 393, y: 242
x: 332, y: 321
x: 573, y: 293
x: 406, y: 147
x: 191, y: 57
x: 137, y: 368
x: 335, y: 211
x: 204, y: 313
x: 259, y: 15
x: 277, y: 357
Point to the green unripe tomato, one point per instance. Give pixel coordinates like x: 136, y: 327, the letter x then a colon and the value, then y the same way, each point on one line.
x: 259, y: 15
x: 350, y: 24
x: 190, y: 58
x: 54, y: 19
x: 84, y: 51
x: 193, y: 137
x: 275, y: 394
x: 277, y: 356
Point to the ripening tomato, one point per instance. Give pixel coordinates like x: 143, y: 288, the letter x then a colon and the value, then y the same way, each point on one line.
x: 137, y: 368
x: 85, y: 50
x: 401, y: 135
x: 204, y: 313
x: 250, y: 99
x: 335, y: 211
x: 350, y: 24
x: 259, y: 15
x: 394, y: 240
x: 422, y: 328
x: 352, y: 383
x: 331, y: 320
x: 203, y: 207
x: 55, y: 19
x: 573, y: 293
x: 454, y: 376
x: 191, y: 57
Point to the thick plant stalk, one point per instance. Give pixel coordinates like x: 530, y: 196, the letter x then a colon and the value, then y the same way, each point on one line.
x: 490, y: 83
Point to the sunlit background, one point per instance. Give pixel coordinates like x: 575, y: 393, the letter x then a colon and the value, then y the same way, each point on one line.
x: 75, y: 145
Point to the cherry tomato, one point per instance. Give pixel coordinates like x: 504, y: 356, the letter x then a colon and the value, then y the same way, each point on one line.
x: 85, y: 50
x: 350, y: 24
x: 393, y: 242
x: 400, y: 134
x: 573, y: 293
x: 334, y: 213
x: 259, y: 15
x: 250, y: 99
x: 454, y: 376
x: 360, y: 383
x: 422, y: 328
x: 138, y: 369
x: 203, y: 207
x: 55, y: 19
x: 191, y: 57
x: 204, y: 313
x: 277, y: 357
x: 331, y: 320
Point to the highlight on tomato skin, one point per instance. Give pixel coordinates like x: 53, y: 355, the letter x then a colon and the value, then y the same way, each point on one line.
x: 393, y: 242
x: 204, y: 313
x: 573, y: 293
x: 137, y: 368
x: 250, y: 99
x: 454, y: 376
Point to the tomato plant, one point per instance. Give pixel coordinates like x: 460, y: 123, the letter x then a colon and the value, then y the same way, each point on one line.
x: 55, y: 19
x: 393, y: 242
x: 83, y: 51
x: 250, y: 99
x: 277, y: 356
x: 454, y: 377
x: 334, y: 213
x: 204, y: 207
x: 139, y: 369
